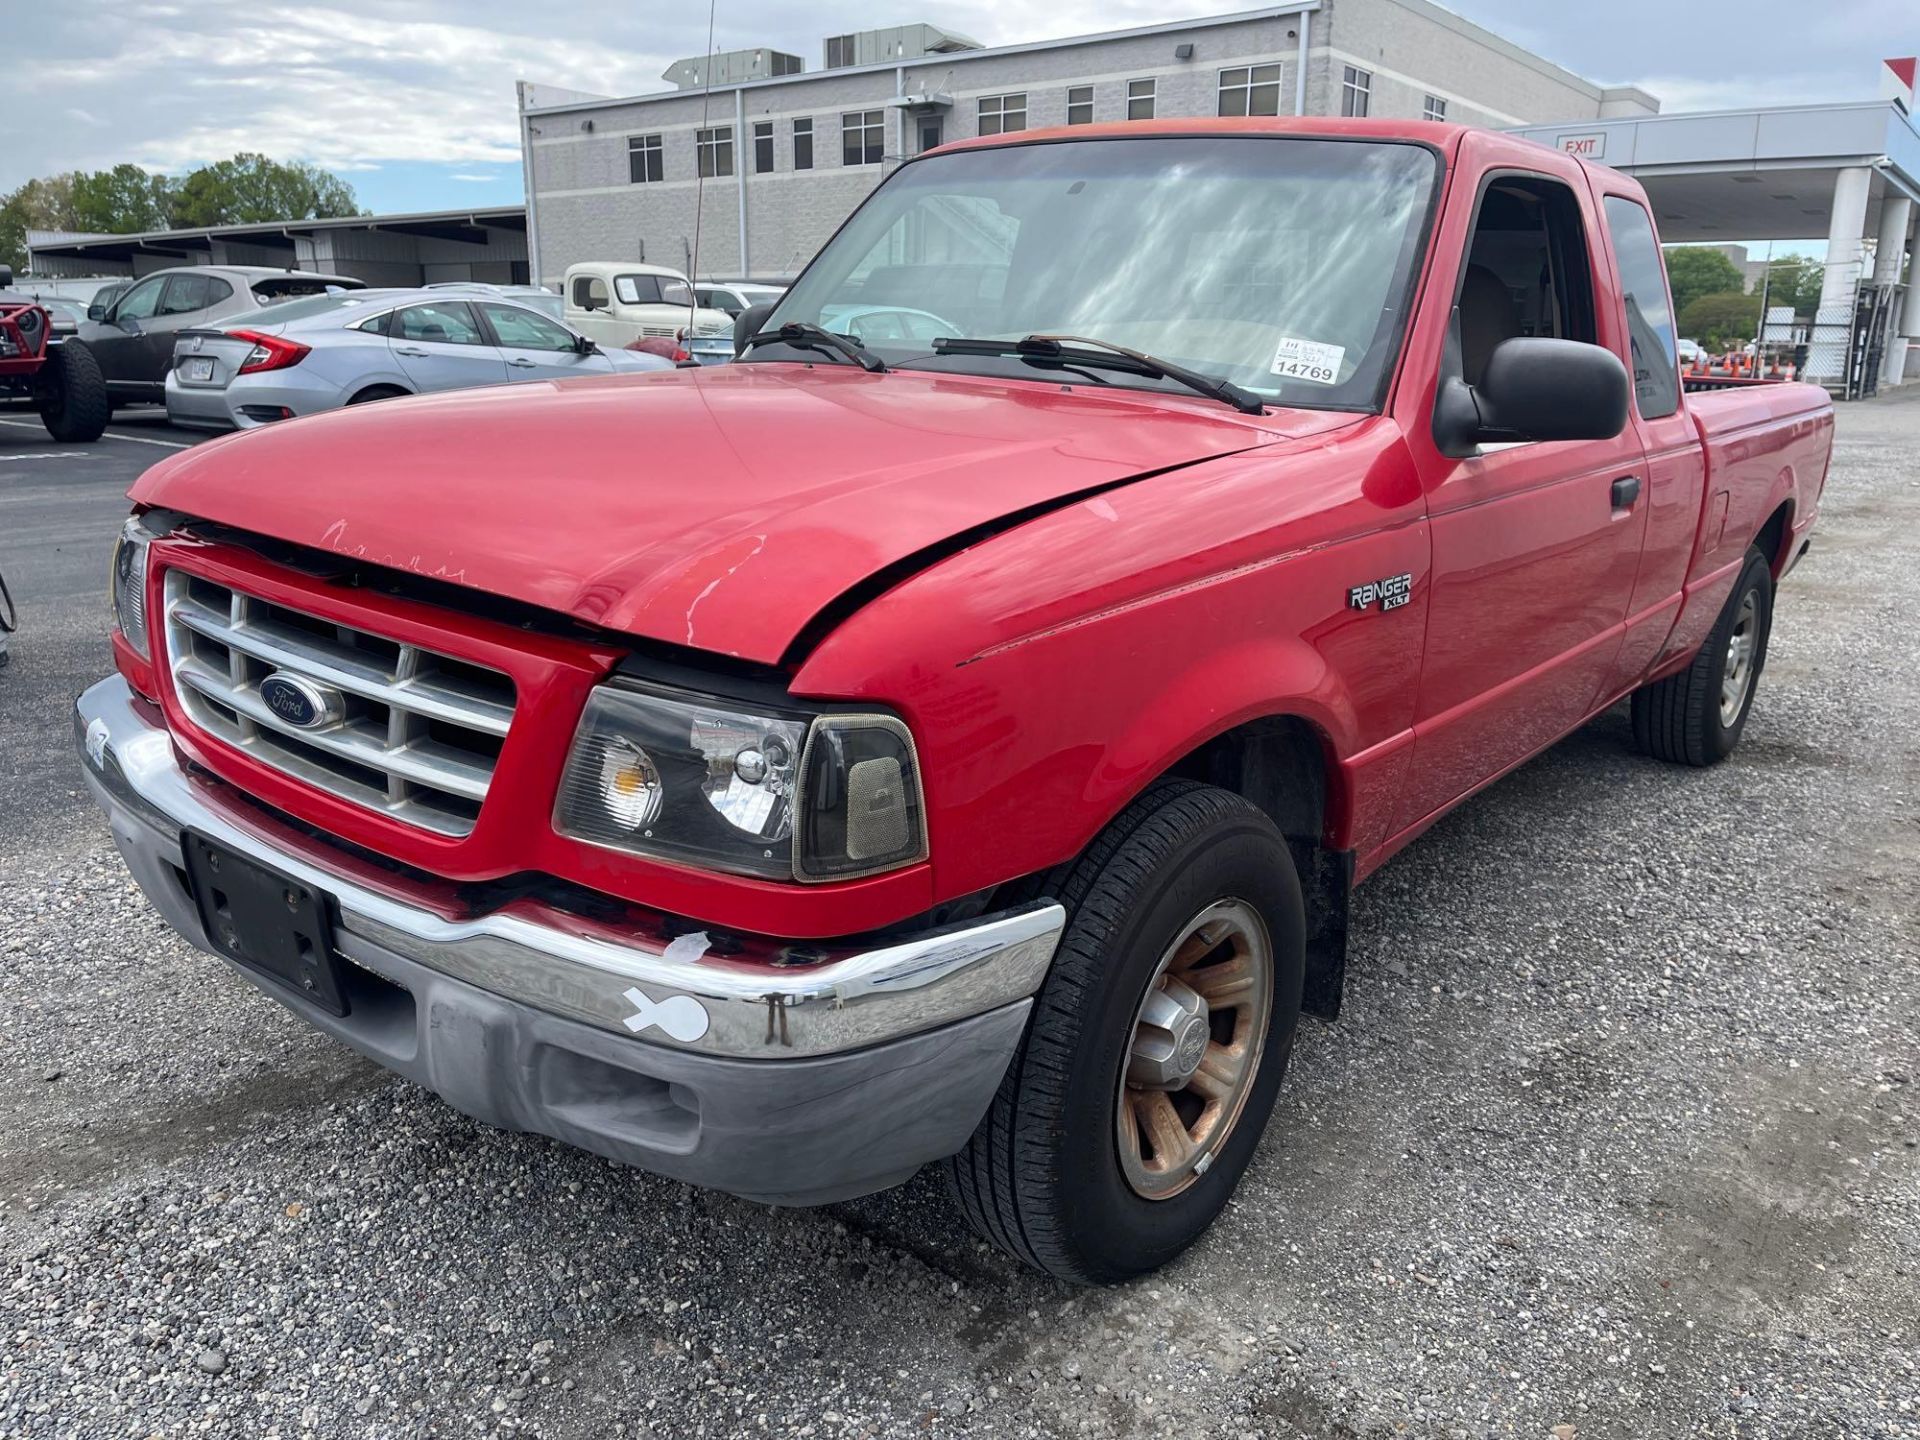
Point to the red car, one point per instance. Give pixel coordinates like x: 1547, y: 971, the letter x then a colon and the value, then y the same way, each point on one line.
x: 889, y: 750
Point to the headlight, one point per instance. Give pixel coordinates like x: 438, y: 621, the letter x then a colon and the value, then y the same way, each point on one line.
x: 770, y: 792
x: 129, y: 585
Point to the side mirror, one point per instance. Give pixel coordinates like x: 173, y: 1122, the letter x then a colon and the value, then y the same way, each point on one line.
x: 747, y: 324
x: 96, y: 311
x: 584, y: 345
x: 1534, y: 388
x: 6, y: 277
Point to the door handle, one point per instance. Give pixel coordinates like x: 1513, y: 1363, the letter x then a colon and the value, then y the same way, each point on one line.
x: 410, y: 352
x: 521, y: 362
x: 1626, y: 490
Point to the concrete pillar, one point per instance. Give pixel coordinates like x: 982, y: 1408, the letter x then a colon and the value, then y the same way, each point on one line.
x: 1846, y: 234
x: 1906, y: 337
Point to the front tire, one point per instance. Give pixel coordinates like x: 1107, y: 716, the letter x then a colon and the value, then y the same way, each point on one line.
x: 1696, y: 716
x: 1156, y: 1046
x: 71, y: 394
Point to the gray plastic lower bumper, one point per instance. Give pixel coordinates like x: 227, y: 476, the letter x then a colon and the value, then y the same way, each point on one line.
x: 861, y: 1108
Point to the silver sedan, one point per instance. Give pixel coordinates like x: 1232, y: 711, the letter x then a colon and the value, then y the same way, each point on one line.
x: 315, y: 354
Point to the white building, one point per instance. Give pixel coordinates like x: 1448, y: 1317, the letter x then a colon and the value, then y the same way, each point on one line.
x: 779, y: 158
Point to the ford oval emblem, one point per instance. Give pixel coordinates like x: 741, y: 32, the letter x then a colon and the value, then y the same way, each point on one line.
x: 300, y: 702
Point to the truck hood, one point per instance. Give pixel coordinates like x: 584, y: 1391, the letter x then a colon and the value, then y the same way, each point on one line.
x: 721, y: 509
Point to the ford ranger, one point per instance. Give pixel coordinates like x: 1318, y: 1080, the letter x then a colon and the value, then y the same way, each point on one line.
x: 1167, y: 524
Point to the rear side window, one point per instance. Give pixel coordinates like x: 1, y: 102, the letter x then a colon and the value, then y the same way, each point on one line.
x: 188, y: 293
x: 444, y: 323
x: 1643, y: 281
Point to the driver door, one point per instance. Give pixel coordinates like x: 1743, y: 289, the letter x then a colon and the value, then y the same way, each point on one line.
x: 1535, y: 545
x: 117, y: 341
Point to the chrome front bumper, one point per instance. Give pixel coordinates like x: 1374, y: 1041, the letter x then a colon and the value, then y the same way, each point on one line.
x: 681, y: 995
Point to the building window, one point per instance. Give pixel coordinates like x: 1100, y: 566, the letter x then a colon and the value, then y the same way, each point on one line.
x: 644, y: 159
x: 863, y: 137
x: 1356, y: 90
x: 1436, y: 108
x: 715, y: 147
x: 762, y: 146
x: 803, y: 144
x: 1140, y: 99
x: 1003, y: 114
x: 839, y: 51
x: 1080, y: 105
x: 1250, y: 90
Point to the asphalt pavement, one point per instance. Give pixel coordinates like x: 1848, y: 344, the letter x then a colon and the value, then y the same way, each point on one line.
x: 1615, y: 1138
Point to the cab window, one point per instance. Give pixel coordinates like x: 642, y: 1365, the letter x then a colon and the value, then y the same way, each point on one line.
x: 590, y: 293
x: 1527, y: 272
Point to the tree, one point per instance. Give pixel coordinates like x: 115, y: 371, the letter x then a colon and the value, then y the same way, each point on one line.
x: 250, y: 189
x: 121, y: 200
x: 37, y: 205
x: 1725, y: 321
x: 1794, y: 280
x: 1694, y: 270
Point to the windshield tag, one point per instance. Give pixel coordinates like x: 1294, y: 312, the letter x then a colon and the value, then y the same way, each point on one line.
x: 1308, y: 360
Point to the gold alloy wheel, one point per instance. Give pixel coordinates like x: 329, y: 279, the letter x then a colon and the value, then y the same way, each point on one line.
x: 1195, y: 1049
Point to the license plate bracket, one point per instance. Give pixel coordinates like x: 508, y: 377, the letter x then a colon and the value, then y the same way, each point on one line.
x: 269, y: 922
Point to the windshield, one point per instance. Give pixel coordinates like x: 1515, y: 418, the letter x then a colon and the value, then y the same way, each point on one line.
x: 1280, y: 264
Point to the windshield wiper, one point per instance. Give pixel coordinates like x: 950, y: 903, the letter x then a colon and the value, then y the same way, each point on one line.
x: 812, y: 337
x: 1066, y: 350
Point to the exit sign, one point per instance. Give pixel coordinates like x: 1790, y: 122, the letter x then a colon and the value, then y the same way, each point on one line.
x: 1586, y: 147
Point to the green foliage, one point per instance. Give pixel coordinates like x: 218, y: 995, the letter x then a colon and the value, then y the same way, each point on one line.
x: 248, y: 189
x: 121, y: 200
x: 37, y: 205
x: 1725, y: 321
x: 1794, y: 280
x: 1694, y: 270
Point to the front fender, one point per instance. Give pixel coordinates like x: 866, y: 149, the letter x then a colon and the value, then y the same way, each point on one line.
x: 1053, y: 673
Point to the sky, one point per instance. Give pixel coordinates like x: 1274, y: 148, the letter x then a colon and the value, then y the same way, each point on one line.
x: 412, y: 101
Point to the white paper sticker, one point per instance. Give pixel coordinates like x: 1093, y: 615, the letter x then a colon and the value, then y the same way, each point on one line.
x: 1308, y: 360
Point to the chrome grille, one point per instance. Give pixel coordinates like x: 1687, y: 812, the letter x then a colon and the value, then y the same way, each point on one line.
x: 416, y: 734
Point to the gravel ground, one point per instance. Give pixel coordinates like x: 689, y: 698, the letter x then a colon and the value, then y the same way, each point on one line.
x: 1616, y: 1138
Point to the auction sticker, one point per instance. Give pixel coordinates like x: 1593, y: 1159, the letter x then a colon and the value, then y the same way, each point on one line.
x: 1308, y: 360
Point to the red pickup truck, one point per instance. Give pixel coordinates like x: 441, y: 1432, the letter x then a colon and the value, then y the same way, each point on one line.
x: 952, y: 732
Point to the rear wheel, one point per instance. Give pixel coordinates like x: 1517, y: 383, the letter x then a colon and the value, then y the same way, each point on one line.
x: 71, y: 394
x: 1696, y: 717
x: 376, y: 392
x: 1156, y: 1045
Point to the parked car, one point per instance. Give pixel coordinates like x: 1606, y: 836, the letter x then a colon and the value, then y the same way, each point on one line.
x: 305, y: 356
x: 861, y: 756
x: 132, y: 335
x: 1689, y: 350
x: 733, y: 296
x: 617, y: 303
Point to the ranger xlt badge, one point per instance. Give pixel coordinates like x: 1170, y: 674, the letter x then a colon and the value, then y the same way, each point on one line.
x: 1390, y: 593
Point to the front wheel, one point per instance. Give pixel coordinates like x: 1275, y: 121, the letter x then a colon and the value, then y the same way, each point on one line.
x: 71, y: 394
x: 1156, y: 1045
x: 1696, y: 716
